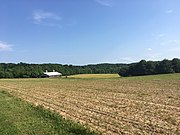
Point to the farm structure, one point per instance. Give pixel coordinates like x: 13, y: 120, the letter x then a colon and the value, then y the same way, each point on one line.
x: 52, y: 74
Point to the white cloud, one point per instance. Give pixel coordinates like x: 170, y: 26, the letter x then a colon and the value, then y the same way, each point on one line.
x: 175, y: 41
x: 107, y: 3
x: 169, y: 11
x: 45, y: 18
x: 5, y: 46
x: 149, y: 49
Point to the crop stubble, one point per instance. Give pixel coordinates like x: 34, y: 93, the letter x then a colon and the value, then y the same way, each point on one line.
x: 112, y: 106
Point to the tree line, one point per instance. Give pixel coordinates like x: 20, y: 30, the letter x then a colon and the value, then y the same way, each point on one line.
x: 151, y: 67
x: 24, y: 70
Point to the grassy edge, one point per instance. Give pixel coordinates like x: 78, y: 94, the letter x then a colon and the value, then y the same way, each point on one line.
x: 59, y: 122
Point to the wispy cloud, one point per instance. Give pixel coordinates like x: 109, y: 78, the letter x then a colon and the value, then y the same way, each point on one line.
x: 107, y: 3
x: 5, y: 46
x: 149, y: 49
x: 45, y: 18
x: 169, y: 11
x: 175, y: 41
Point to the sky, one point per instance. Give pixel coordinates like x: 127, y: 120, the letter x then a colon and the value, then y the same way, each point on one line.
x: 82, y: 32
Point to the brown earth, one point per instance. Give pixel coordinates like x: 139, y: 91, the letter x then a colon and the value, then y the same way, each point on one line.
x: 111, y: 106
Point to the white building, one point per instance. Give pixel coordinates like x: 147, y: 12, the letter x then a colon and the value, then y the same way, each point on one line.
x: 52, y: 74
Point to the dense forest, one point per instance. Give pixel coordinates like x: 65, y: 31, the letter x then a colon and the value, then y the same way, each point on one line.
x: 24, y: 70
x: 151, y: 68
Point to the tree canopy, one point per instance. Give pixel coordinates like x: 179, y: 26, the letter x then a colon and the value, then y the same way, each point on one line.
x: 151, y: 67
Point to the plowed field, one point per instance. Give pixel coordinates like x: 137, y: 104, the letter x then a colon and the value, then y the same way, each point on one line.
x: 137, y: 105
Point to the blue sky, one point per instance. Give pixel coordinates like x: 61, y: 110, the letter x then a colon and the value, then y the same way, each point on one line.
x: 89, y: 31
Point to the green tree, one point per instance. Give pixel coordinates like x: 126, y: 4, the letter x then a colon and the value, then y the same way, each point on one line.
x: 150, y: 67
x: 124, y: 71
x: 2, y: 74
x: 176, y: 65
x: 164, y: 67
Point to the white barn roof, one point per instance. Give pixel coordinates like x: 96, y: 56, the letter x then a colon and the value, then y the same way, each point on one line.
x: 52, y: 73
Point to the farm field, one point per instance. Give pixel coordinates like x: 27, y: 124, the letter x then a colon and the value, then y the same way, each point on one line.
x: 134, y: 105
x: 18, y: 118
x: 94, y: 76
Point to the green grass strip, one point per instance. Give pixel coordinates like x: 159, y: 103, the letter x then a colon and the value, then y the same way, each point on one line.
x: 18, y: 117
